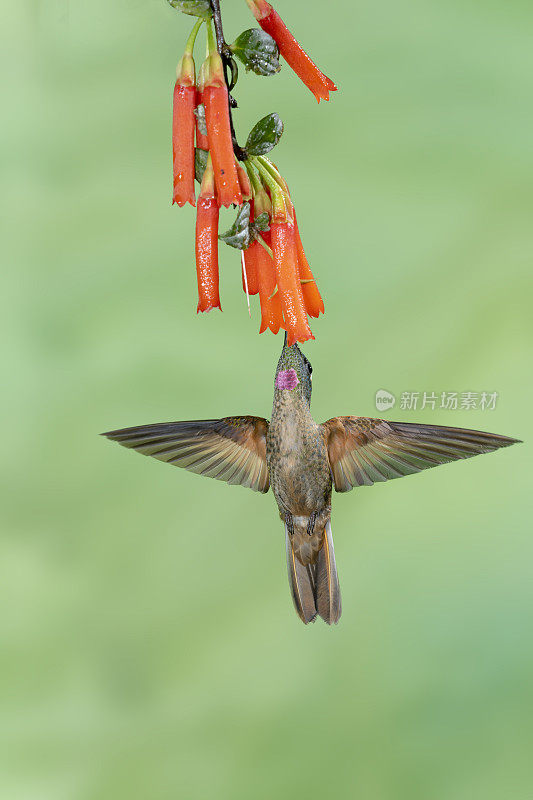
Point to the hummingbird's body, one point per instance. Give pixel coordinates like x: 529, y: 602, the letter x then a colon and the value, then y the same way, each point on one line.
x: 294, y: 440
x: 300, y: 478
x: 302, y: 461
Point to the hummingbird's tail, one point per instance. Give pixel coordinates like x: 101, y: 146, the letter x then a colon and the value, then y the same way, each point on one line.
x: 315, y: 586
x: 302, y: 583
x: 328, y: 593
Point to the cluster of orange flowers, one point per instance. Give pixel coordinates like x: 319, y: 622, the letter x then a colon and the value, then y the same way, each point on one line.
x: 204, y: 146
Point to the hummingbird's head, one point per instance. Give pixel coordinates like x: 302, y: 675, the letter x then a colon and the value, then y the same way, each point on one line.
x: 293, y: 373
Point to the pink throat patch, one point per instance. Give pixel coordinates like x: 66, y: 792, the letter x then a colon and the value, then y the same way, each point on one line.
x: 287, y: 379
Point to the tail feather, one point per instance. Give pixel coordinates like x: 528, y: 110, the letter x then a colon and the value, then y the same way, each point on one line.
x: 302, y: 583
x: 327, y: 591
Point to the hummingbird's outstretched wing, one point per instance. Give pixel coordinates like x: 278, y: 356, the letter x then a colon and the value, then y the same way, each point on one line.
x: 232, y: 449
x: 363, y: 450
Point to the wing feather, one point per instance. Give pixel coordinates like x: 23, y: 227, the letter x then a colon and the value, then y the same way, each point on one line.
x: 363, y: 450
x: 232, y: 449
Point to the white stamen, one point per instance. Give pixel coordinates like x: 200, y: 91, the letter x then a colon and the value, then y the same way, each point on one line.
x: 246, y: 283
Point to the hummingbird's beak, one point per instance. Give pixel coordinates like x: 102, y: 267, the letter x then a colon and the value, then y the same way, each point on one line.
x: 285, y: 341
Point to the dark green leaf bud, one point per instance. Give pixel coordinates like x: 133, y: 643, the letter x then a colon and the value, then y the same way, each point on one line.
x: 199, y: 113
x: 200, y: 163
x: 265, y: 135
x: 196, y: 8
x: 239, y: 235
x: 261, y: 222
x: 258, y: 51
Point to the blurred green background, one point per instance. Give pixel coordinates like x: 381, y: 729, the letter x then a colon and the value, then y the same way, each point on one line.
x: 149, y: 648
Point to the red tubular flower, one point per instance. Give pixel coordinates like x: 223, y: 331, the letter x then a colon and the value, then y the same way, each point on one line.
x: 312, y: 300
x: 207, y: 243
x: 289, y: 286
x: 216, y: 104
x: 244, y: 183
x: 294, y: 55
x: 183, y: 133
x: 271, y: 312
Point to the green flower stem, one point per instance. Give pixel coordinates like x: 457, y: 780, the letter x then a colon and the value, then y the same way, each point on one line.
x: 279, y: 206
x: 277, y: 177
x: 271, y: 169
x: 261, y: 200
x: 189, y: 47
x: 259, y: 238
x: 257, y: 186
x: 211, y: 41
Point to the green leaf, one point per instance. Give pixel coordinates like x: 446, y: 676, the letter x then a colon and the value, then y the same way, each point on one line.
x: 200, y: 163
x: 239, y: 235
x: 199, y: 113
x: 258, y: 51
x: 196, y: 8
x: 260, y: 223
x: 265, y: 135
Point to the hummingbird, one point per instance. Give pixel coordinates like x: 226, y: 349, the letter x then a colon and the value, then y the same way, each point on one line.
x: 302, y: 461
